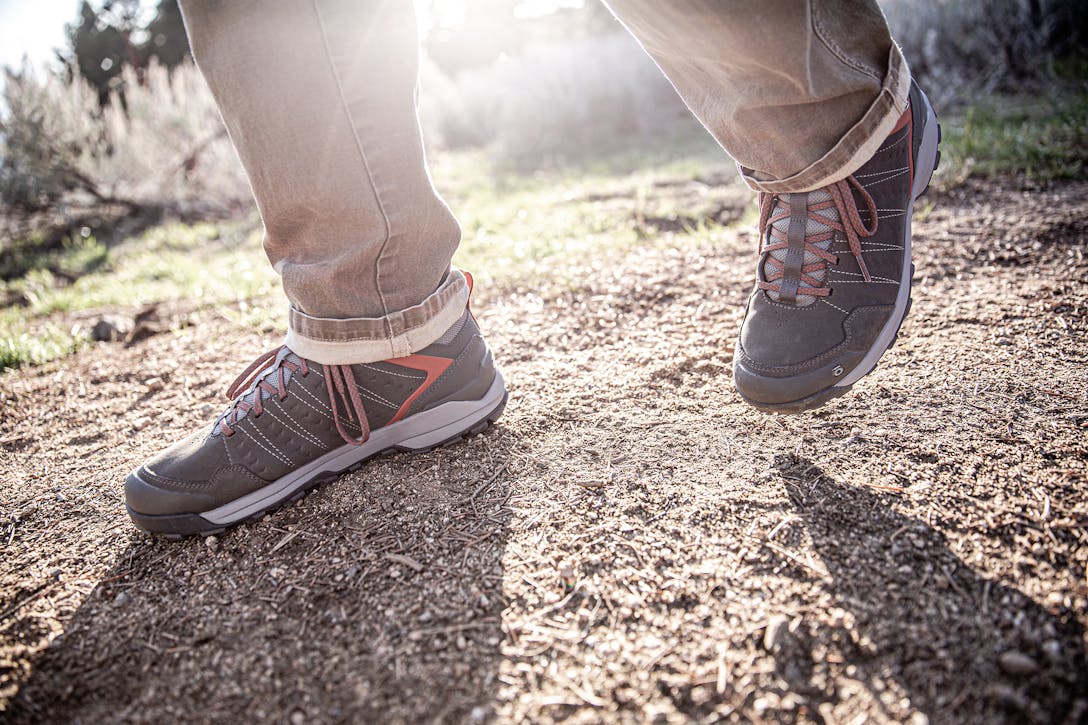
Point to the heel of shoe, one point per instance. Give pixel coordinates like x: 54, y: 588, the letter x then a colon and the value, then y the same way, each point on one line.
x: 929, y: 153
x: 451, y: 421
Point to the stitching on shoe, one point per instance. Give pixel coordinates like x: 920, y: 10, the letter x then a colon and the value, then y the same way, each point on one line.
x: 824, y: 300
x: 429, y: 394
x: 166, y: 481
x: 886, y: 175
x: 779, y: 305
x: 226, y: 449
x: 280, y: 455
x: 301, y: 433
x: 386, y: 372
x: 377, y: 398
x: 349, y: 423
x: 889, y: 145
x: 811, y: 362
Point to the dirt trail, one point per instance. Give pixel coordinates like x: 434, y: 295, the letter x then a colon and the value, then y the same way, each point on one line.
x: 630, y: 543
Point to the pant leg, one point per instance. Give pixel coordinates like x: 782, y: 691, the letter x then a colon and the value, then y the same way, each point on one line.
x: 319, y: 100
x: 799, y: 92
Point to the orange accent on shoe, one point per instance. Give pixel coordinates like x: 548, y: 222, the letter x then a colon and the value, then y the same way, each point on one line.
x: 433, y: 366
x: 471, y: 282
x: 903, y: 120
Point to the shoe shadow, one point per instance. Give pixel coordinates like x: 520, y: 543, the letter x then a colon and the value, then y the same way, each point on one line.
x: 917, y: 621
x: 378, y: 598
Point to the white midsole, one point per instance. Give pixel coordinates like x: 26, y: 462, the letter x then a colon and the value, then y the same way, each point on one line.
x: 418, y: 431
x: 923, y: 167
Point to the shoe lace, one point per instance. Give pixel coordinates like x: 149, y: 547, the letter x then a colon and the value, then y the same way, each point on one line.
x: 849, y: 222
x: 267, y: 376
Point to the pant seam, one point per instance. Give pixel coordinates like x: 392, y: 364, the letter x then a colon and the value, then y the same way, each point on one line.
x: 366, y: 164
x: 818, y: 29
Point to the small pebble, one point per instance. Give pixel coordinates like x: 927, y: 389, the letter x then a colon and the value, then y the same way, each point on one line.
x: 212, y: 542
x: 121, y: 599
x: 154, y: 384
x: 1017, y: 663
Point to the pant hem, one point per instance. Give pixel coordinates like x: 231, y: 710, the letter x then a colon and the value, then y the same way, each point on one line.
x: 337, y: 341
x: 858, y: 145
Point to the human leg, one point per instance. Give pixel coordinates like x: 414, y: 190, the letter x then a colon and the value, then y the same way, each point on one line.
x: 381, y: 352
x: 815, y: 102
x: 319, y: 100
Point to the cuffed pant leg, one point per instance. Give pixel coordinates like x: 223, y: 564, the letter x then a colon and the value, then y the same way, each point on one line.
x: 319, y: 100
x: 799, y: 92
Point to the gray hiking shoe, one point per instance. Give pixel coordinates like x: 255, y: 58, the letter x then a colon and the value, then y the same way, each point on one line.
x: 293, y: 424
x: 834, y: 274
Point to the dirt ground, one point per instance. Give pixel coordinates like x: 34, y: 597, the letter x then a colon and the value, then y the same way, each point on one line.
x: 630, y: 543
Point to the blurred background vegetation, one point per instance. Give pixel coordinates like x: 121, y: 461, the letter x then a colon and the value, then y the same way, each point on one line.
x: 114, y: 166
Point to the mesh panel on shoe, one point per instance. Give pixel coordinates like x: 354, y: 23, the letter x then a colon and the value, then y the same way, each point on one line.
x: 449, y: 335
x: 813, y: 227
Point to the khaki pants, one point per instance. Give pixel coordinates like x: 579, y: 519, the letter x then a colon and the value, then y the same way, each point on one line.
x: 319, y: 100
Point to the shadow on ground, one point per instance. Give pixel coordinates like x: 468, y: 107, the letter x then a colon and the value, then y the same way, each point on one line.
x: 918, y: 621
x: 369, y: 600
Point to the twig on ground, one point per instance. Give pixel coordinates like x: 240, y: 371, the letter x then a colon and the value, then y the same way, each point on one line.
x: 405, y: 560
x: 283, y: 542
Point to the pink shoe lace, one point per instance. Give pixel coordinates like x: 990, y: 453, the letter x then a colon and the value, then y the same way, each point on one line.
x: 273, y: 381
x: 849, y: 223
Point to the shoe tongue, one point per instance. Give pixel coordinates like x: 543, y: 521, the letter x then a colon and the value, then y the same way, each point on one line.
x: 812, y: 227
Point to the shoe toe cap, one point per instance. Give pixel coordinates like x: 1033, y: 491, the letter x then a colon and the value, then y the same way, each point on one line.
x: 799, y: 390
x: 150, y: 495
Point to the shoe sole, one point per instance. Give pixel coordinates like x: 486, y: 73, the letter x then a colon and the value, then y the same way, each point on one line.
x: 440, y: 426
x: 929, y: 158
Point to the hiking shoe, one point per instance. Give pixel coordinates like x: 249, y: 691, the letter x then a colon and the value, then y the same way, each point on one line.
x: 834, y: 274
x: 293, y: 423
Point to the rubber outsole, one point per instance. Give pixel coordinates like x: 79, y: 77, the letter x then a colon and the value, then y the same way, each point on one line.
x: 181, y: 526
x: 819, y: 398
